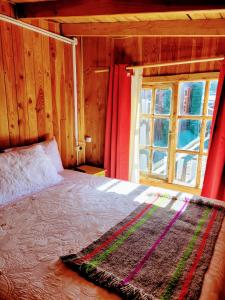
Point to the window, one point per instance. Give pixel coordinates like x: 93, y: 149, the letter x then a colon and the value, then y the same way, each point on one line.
x: 175, y: 120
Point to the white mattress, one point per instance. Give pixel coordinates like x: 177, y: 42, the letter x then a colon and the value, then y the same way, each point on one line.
x: 36, y: 230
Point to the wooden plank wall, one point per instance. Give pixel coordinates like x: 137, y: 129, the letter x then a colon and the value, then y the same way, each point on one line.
x: 100, y: 52
x: 6, y: 8
x: 96, y: 53
x: 36, y: 88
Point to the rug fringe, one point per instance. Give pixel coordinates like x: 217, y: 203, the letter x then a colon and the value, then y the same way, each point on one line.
x: 207, y: 203
x: 105, y: 279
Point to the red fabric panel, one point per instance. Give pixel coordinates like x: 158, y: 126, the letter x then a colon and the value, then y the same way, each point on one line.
x: 117, y: 136
x: 214, y: 181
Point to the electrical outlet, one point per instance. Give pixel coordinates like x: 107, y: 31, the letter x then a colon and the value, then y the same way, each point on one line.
x: 88, y: 139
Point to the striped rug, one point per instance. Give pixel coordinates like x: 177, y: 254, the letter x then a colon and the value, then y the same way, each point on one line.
x: 160, y: 251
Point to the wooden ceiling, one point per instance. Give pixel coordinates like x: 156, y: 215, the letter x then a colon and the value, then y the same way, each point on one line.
x: 29, y: 1
x: 67, y: 11
x: 152, y: 16
x: 81, y: 17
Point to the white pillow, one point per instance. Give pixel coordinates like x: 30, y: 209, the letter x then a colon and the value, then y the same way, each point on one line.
x: 51, y: 149
x: 25, y: 171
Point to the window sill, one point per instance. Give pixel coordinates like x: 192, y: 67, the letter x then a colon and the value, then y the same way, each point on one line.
x: 162, y: 184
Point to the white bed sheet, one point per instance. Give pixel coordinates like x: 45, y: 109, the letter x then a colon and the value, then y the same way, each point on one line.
x: 36, y: 230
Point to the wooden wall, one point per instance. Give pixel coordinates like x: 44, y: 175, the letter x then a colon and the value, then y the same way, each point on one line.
x: 6, y: 8
x: 97, y: 53
x: 36, y: 84
x: 100, y: 52
x: 36, y: 89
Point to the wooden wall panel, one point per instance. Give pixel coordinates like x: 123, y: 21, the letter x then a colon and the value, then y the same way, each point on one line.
x: 69, y: 113
x: 4, y: 128
x: 58, y: 67
x: 47, y: 82
x: 99, y: 52
x: 36, y: 86
x: 38, y: 60
x: 21, y: 91
x: 80, y: 99
x: 10, y: 83
x: 6, y: 8
x: 30, y: 85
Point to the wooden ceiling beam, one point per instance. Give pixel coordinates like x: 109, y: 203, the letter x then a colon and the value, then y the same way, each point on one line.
x: 7, y: 9
x: 178, y: 28
x: 68, y: 8
x: 29, y: 1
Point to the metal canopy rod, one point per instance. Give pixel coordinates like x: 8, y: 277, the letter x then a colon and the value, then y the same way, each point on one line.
x: 174, y: 63
x: 37, y: 29
x: 75, y: 102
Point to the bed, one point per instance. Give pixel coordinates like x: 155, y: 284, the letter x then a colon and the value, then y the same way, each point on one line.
x: 37, y: 229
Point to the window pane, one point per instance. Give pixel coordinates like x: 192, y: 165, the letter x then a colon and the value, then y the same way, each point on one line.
x: 159, y: 162
x: 188, y: 134
x: 144, y: 160
x: 212, y: 96
x: 207, y: 135
x: 186, y: 169
x: 145, y: 101
x: 144, y: 131
x: 191, y: 97
x: 204, y: 160
x: 161, y: 130
x: 162, y: 101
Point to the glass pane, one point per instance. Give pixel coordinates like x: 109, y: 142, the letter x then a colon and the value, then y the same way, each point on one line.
x: 159, y: 162
x: 191, y: 97
x: 145, y: 101
x: 207, y: 135
x: 162, y: 101
x: 204, y: 160
x: 188, y: 134
x: 212, y: 96
x: 161, y: 131
x: 144, y: 159
x: 144, y: 131
x: 186, y: 169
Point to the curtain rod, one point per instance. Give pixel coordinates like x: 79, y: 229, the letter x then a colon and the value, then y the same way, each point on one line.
x: 183, y: 62
x: 37, y: 29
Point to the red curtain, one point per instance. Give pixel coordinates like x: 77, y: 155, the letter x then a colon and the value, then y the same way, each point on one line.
x: 117, y: 136
x: 214, y: 181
